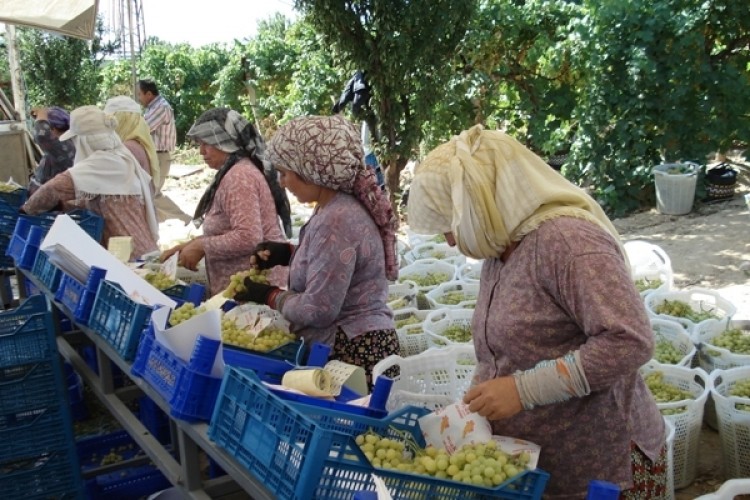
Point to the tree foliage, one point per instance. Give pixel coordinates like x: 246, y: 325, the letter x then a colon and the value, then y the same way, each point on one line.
x: 404, y: 48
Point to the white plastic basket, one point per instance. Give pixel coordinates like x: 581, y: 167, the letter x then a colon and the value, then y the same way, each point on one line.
x: 470, y: 271
x: 687, y: 423
x: 402, y: 295
x: 412, y: 338
x: 733, y: 424
x: 712, y: 357
x: 185, y: 276
x: 438, y: 295
x: 432, y: 379
x: 438, y: 251
x: 670, y: 431
x: 421, y: 269
x: 675, y: 192
x: 649, y: 262
x: 700, y: 300
x: 676, y: 334
x: 439, y: 320
x: 729, y: 490
x: 416, y: 239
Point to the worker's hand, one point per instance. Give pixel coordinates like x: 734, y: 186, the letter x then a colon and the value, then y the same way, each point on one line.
x: 255, y: 292
x: 271, y: 253
x: 168, y: 253
x: 191, y: 254
x: 495, y: 399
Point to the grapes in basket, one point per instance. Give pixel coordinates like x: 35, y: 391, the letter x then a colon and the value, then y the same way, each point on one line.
x: 237, y: 281
x: 733, y: 340
x: 644, y: 284
x: 411, y: 319
x: 741, y: 389
x: 428, y: 279
x: 184, y: 313
x: 665, y: 352
x: 680, y: 309
x: 664, y: 392
x: 160, y: 280
x: 455, y: 297
x: 457, y: 333
x: 482, y: 464
x: 267, y: 340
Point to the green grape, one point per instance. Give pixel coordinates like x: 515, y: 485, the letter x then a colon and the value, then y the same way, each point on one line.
x: 741, y: 389
x: 184, y: 313
x: 411, y: 319
x: 237, y: 281
x: 644, y: 284
x: 429, y: 279
x: 455, y: 297
x: 267, y: 340
x: 665, y: 392
x: 734, y: 340
x: 159, y: 280
x: 665, y: 352
x: 680, y: 309
x: 457, y: 333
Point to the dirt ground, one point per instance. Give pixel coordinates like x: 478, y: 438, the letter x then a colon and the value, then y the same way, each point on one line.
x: 708, y: 248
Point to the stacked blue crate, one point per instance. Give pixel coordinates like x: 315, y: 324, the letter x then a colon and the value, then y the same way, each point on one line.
x: 38, y: 457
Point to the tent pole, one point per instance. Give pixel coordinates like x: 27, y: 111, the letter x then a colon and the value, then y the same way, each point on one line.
x: 132, y: 49
x: 15, y: 72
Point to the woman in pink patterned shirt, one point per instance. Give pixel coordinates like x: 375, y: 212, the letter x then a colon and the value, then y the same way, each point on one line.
x: 242, y: 205
x: 559, y: 329
x: 338, y: 275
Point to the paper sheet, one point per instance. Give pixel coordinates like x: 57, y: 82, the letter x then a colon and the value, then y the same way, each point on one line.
x: 121, y: 247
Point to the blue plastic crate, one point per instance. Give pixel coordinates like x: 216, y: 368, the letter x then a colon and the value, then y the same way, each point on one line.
x: 46, y: 272
x: 303, y: 452
x: 29, y: 387
x: 89, y: 355
x: 14, y: 199
x: 188, y: 387
x: 118, y: 319
x: 27, y: 333
x: 271, y: 366
x: 127, y: 484
x: 24, y: 244
x: 89, y: 221
x: 52, y: 474
x: 92, y: 450
x: 154, y: 419
x: 79, y: 297
x: 194, y: 293
x: 6, y: 262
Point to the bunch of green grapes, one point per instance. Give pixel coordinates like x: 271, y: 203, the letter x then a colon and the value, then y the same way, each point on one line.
x: 237, y: 281
x: 665, y: 352
x: 454, y: 297
x: 437, y: 254
x: 664, y: 392
x: 298, y: 221
x: 8, y: 188
x: 267, y: 340
x: 644, y: 284
x: 680, y: 309
x: 411, y: 319
x: 734, y: 340
x: 160, y: 280
x: 457, y: 333
x: 483, y: 464
x: 429, y: 279
x: 184, y: 313
x: 398, y: 302
x: 741, y: 389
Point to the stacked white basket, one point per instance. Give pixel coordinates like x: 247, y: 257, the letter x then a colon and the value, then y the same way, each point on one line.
x: 468, y: 290
x: 712, y: 357
x: 411, y: 337
x: 700, y: 300
x: 676, y: 334
x: 670, y: 430
x: 688, y: 422
x: 649, y: 262
x: 470, y: 271
x: 432, y: 379
x: 439, y: 320
x: 426, y: 267
x: 733, y: 424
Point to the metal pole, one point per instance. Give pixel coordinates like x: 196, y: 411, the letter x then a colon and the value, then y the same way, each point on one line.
x: 132, y: 48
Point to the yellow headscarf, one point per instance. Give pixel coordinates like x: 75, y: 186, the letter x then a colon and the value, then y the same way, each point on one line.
x: 489, y: 190
x: 132, y: 126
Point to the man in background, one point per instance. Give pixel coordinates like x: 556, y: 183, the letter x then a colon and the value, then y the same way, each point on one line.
x: 160, y: 118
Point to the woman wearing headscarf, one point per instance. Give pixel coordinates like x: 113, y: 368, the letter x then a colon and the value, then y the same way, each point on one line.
x: 338, y: 275
x: 559, y: 328
x: 242, y: 205
x: 105, y: 179
x: 57, y: 156
x: 134, y: 133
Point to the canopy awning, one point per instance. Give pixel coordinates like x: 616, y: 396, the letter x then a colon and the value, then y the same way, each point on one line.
x: 76, y: 18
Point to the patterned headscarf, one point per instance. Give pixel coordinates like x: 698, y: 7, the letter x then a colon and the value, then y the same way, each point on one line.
x: 58, y: 118
x: 490, y: 190
x: 228, y: 131
x: 327, y: 151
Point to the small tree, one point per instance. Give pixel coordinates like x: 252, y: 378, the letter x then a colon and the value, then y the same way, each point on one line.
x: 404, y: 47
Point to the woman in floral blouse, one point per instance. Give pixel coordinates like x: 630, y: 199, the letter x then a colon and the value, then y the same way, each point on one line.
x: 338, y: 275
x: 559, y: 328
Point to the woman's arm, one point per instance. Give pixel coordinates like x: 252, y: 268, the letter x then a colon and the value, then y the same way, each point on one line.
x: 57, y: 190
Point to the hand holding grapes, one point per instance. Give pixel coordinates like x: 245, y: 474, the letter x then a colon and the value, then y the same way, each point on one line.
x: 191, y: 254
x: 269, y: 254
x: 495, y: 399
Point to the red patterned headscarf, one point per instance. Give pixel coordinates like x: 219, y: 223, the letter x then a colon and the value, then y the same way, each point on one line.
x: 327, y: 151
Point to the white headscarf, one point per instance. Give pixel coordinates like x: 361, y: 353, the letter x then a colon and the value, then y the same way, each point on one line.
x: 103, y: 166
